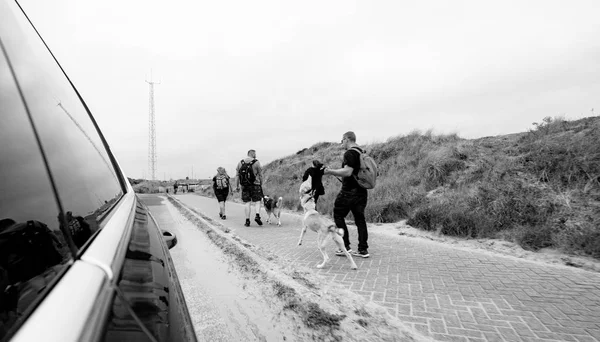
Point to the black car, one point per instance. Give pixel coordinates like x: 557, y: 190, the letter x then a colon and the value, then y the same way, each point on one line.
x: 81, y: 258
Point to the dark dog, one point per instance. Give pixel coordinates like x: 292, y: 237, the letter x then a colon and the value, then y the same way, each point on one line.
x: 273, y: 208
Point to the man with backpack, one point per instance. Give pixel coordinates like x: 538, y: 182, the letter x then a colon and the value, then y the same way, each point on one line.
x: 353, y: 195
x: 249, y: 176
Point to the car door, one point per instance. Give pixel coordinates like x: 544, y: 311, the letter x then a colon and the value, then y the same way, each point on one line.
x: 34, y: 246
x: 114, y: 279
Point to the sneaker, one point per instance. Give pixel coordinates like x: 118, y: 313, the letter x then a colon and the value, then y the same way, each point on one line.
x: 339, y: 252
x: 223, y: 217
x: 247, y: 224
x: 362, y: 254
x: 220, y: 215
x: 257, y: 219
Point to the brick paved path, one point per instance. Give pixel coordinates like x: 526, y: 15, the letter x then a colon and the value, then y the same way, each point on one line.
x: 446, y: 293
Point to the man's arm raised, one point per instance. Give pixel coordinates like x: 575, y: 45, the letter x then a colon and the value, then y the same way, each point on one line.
x: 346, y: 171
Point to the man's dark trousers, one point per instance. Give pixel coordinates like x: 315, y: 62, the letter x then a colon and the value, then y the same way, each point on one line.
x: 355, y: 202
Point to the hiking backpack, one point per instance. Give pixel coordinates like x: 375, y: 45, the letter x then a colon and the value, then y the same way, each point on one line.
x: 247, y: 176
x: 367, y: 174
x: 222, y: 182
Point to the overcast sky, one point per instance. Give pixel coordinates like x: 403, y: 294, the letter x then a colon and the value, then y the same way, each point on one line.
x: 278, y: 76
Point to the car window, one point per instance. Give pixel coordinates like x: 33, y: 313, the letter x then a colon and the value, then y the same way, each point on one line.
x: 86, y: 180
x: 33, y: 251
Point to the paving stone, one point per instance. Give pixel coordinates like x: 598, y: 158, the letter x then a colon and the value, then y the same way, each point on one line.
x: 451, y: 338
x: 465, y: 332
x: 522, y: 329
x: 412, y: 319
x: 582, y: 338
x: 493, y: 337
x: 508, y: 334
x: 473, y: 339
x: 595, y: 333
x: 534, y: 324
x: 567, y: 330
x: 555, y: 336
x: 422, y: 328
x: 480, y: 327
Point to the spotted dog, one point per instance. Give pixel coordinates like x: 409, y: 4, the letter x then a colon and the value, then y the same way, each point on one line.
x: 273, y: 208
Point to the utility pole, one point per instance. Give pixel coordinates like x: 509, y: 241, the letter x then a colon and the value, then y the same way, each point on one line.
x: 151, y: 132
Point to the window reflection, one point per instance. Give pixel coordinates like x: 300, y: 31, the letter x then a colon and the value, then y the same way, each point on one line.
x: 31, y: 256
x: 144, y: 281
x: 32, y: 248
x: 86, y: 181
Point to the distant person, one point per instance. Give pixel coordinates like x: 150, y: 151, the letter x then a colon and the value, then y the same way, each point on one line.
x: 316, y: 174
x: 175, y: 186
x: 221, y: 188
x: 352, y: 197
x: 249, y: 176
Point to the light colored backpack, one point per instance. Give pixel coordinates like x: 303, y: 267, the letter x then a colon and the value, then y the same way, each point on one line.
x: 367, y: 174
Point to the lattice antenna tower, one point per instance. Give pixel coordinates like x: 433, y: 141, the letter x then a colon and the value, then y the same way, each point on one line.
x: 151, y: 132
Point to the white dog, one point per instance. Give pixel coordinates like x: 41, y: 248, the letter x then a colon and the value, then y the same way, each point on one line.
x: 321, y: 225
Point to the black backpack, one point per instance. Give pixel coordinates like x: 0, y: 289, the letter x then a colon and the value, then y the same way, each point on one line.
x: 27, y: 249
x: 247, y: 176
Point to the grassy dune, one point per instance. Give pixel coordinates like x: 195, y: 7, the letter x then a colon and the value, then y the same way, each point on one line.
x: 539, y: 188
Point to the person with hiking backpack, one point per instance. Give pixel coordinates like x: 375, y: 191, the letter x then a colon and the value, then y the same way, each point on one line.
x: 249, y: 176
x: 221, y: 188
x: 358, y: 173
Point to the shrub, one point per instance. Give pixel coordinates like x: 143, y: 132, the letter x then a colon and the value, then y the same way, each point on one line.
x: 319, y: 146
x: 438, y: 165
x: 510, y: 203
x: 579, y: 236
x: 146, y: 187
x: 424, y: 218
x: 549, y: 125
x: 390, y: 211
x: 450, y: 221
x: 571, y: 158
x: 533, y: 238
